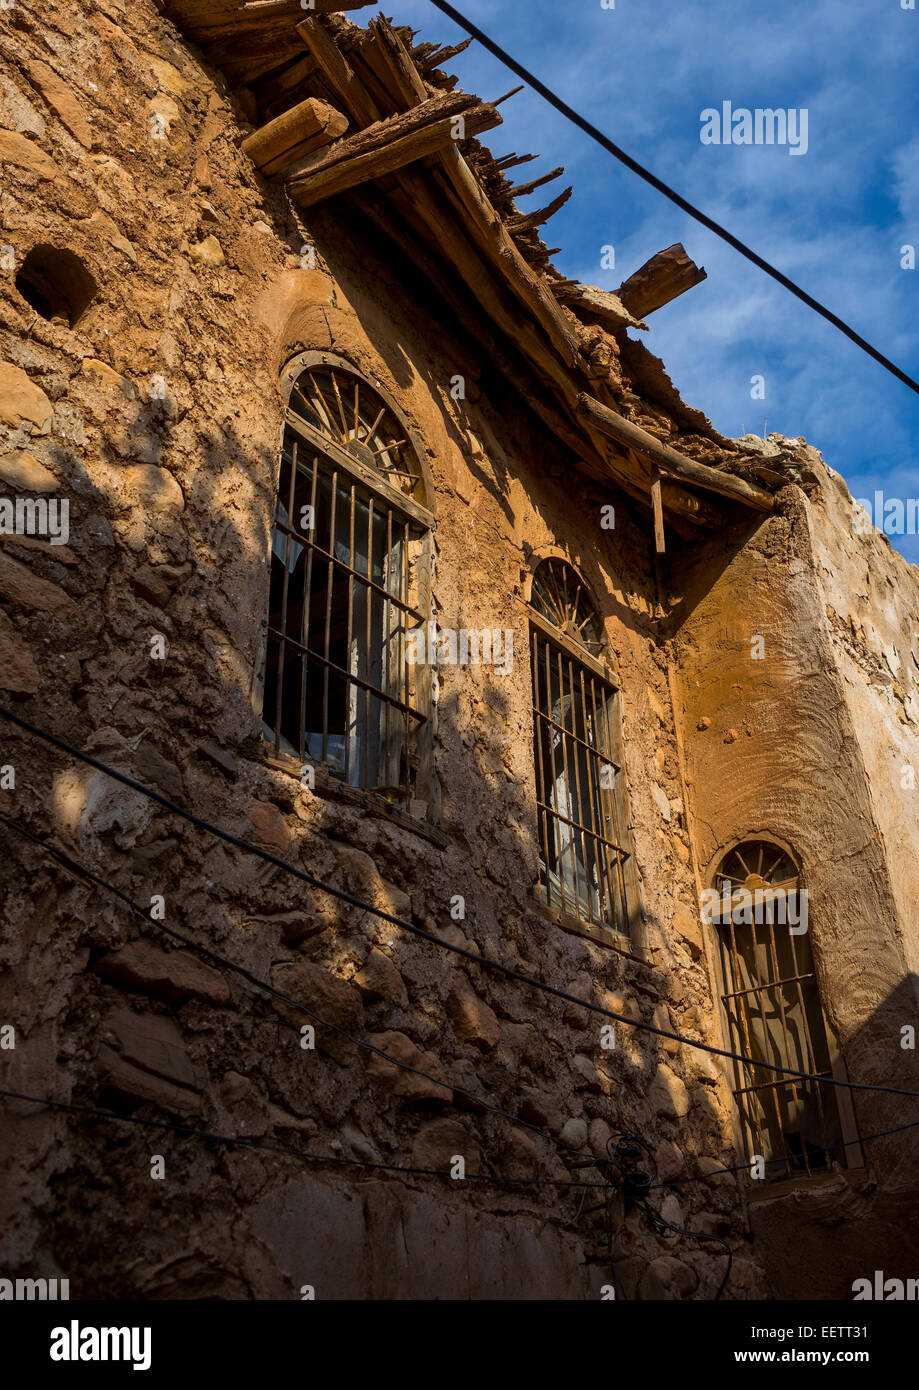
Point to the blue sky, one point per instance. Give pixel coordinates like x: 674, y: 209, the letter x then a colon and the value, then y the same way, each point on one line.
x: 833, y: 219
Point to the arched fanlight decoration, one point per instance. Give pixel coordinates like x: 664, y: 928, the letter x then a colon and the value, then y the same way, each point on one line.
x: 758, y: 866
x: 560, y: 597
x: 341, y: 406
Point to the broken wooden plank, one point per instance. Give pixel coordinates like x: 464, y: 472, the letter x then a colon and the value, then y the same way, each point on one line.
x: 439, y: 56
x: 386, y: 146
x: 669, y: 460
x: 338, y: 72
x: 476, y: 213
x: 206, y: 21
x: 511, y: 161
x: 523, y: 190
x: 604, y: 306
x: 526, y: 221
x: 668, y: 274
x: 288, y: 138
x: 657, y: 508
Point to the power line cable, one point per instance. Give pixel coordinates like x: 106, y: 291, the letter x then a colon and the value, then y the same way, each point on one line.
x: 773, y: 1162
x: 189, y: 1131
x: 607, y: 144
x: 74, y: 866
x: 485, y: 961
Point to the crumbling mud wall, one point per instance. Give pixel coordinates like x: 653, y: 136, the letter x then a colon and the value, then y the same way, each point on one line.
x: 791, y: 656
x: 155, y: 412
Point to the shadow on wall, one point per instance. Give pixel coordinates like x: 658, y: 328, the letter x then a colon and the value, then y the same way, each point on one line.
x: 168, y: 1036
x: 821, y: 1236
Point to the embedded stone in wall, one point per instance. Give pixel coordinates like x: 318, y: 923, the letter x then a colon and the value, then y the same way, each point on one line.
x: 402, y: 1082
x: 61, y: 100
x: 670, y: 1162
x: 174, y: 974
x: 25, y: 154
x: 152, y: 487
x: 473, y: 1021
x: 598, y: 1135
x: 208, y: 252
x: 21, y: 401
x: 686, y: 924
x: 668, y: 1278
x: 438, y: 1142
x: 20, y: 471
x: 144, y: 1055
x: 335, y: 1001
x: 667, y: 1094
x: 378, y: 978
x: 28, y: 590
x: 574, y: 1134
x: 101, y: 375
x: 18, y: 672
x: 151, y: 766
x: 539, y: 1109
x: 269, y: 829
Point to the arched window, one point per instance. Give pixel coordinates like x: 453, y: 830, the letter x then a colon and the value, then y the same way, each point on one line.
x: 758, y: 907
x: 585, y: 866
x: 349, y: 579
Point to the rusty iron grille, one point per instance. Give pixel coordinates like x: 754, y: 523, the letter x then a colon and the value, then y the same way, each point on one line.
x: 581, y: 845
x: 772, y: 1004
x: 339, y: 688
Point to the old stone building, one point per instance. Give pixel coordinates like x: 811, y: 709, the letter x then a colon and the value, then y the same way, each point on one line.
x: 335, y: 515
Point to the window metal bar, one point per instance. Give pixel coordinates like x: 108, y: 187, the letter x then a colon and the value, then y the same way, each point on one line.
x: 757, y: 989
x: 328, y: 622
x: 357, y: 574
x: 811, y: 1054
x: 386, y: 665
x: 744, y: 1027
x: 576, y: 825
x: 403, y: 664
x: 356, y: 680
x: 368, y: 647
x: 556, y: 826
x: 543, y: 811
x: 305, y: 613
x: 349, y: 682
x: 777, y: 995
x: 570, y: 806
x: 764, y: 1085
x: 605, y: 735
x: 282, y: 649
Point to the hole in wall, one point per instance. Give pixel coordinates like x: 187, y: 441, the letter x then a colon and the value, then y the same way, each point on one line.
x: 57, y: 285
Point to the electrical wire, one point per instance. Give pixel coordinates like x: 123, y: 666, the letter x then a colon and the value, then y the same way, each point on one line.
x: 773, y: 1162
x: 75, y: 867
x: 682, y: 203
x: 660, y: 1223
x: 233, y: 1140
x: 483, y: 961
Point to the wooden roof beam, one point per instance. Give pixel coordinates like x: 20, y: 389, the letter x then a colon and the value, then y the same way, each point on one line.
x: 206, y: 21
x: 290, y: 137
x: 386, y: 146
x: 670, y: 461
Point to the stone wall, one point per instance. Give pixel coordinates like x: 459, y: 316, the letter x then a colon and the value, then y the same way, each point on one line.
x: 158, y: 417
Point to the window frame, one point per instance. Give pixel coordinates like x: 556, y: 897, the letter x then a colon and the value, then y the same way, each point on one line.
x: 634, y: 941
x: 422, y: 802
x: 739, y: 1076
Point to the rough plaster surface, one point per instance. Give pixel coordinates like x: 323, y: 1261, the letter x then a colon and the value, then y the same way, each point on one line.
x: 159, y: 417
